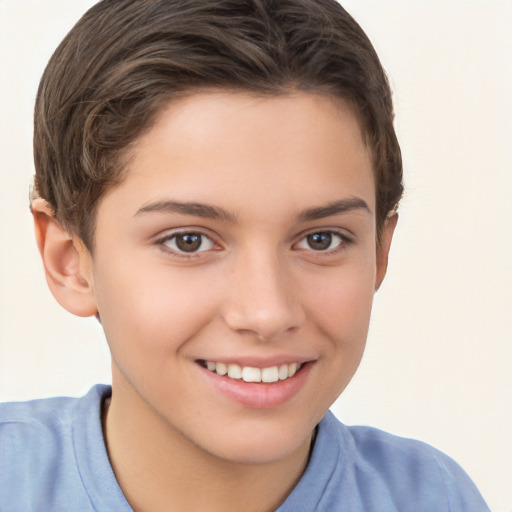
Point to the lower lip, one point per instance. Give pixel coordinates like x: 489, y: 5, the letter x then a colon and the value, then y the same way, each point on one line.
x: 259, y: 395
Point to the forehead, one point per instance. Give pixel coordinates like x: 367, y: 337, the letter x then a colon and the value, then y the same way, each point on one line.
x: 229, y: 148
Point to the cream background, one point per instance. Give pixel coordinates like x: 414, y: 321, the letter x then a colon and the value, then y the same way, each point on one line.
x: 438, y: 365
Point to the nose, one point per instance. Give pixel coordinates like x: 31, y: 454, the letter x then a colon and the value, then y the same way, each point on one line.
x: 262, y: 299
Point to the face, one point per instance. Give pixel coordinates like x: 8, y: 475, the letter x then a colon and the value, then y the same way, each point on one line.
x: 242, y: 240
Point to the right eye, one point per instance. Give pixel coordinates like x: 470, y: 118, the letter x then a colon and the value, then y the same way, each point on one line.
x: 322, y: 241
x: 187, y: 242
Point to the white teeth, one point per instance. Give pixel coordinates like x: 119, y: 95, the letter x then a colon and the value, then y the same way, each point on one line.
x: 270, y: 374
x: 252, y: 374
x: 221, y: 368
x: 234, y: 371
x: 283, y: 372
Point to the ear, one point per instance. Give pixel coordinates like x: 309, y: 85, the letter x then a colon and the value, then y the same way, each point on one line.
x: 67, y: 262
x: 383, y: 248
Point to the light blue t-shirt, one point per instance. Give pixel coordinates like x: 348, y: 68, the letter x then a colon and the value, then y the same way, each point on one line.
x: 53, y: 459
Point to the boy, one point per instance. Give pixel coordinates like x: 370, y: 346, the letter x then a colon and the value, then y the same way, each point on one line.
x: 218, y: 184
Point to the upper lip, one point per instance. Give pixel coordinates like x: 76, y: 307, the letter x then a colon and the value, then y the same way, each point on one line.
x: 258, y: 361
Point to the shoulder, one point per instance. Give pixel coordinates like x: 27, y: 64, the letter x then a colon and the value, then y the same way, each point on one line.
x: 366, y: 469
x: 36, y: 424
x: 410, y: 470
x: 44, y: 419
x: 36, y: 412
x: 38, y: 448
x: 397, y: 458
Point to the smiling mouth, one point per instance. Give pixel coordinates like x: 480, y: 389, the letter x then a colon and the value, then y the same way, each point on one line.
x: 252, y: 374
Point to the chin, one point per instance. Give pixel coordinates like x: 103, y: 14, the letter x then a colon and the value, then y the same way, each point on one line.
x: 260, y: 444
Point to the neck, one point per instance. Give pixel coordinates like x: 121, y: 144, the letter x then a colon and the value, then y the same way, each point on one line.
x: 158, y: 468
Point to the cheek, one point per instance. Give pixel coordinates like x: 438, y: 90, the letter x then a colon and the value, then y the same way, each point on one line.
x: 343, y: 314
x: 153, y: 312
x: 342, y: 303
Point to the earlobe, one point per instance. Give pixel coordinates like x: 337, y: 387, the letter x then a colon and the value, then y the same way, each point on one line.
x: 67, y: 262
x: 383, y: 248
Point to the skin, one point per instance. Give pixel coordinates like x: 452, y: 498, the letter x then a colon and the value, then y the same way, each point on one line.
x: 256, y: 290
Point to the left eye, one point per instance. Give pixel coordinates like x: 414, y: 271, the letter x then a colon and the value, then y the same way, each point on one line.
x: 189, y: 242
x: 321, y: 241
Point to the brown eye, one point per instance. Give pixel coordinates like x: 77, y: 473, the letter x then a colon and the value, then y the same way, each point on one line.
x: 322, y: 241
x: 319, y: 241
x: 188, y: 242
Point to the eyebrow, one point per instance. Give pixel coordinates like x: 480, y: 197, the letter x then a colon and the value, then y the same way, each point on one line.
x: 334, y: 208
x: 214, y: 212
x: 189, y: 208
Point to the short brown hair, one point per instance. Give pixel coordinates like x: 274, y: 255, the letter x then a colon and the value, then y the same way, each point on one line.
x: 125, y: 59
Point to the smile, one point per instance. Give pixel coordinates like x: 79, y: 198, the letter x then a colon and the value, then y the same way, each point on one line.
x: 252, y: 374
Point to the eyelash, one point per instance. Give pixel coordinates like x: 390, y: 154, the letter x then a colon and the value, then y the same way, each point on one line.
x: 344, y: 242
x: 177, y: 252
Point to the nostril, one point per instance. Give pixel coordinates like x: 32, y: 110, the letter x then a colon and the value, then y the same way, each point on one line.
x: 266, y: 325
